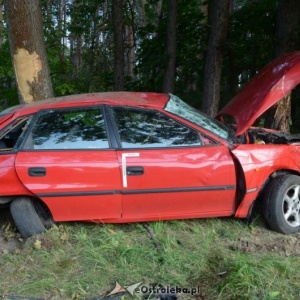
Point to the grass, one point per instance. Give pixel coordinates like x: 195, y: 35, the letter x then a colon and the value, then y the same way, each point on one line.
x: 222, y: 257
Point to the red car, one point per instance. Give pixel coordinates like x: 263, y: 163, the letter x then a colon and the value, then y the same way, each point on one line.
x: 133, y: 157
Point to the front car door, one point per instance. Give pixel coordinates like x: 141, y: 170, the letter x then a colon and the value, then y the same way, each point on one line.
x: 169, y: 170
x: 67, y: 162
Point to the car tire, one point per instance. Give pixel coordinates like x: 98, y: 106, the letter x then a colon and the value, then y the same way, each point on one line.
x: 282, y: 205
x: 44, y: 214
x: 26, y: 217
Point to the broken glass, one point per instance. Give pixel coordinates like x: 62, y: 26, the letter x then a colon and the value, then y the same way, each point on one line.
x: 177, y: 107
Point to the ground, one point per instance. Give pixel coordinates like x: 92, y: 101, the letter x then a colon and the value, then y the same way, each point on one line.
x: 222, y: 256
x: 9, y: 242
x: 262, y: 241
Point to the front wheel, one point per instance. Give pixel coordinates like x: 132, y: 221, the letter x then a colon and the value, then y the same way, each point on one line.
x: 282, y: 205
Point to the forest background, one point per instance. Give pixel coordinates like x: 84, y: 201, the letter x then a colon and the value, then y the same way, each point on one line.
x: 203, y: 51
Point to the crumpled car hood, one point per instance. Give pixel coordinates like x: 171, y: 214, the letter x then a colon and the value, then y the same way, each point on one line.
x: 266, y: 88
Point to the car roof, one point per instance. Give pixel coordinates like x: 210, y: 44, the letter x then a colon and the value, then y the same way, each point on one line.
x: 135, y: 99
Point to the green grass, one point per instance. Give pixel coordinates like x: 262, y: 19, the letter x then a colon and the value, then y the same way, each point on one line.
x: 226, y: 259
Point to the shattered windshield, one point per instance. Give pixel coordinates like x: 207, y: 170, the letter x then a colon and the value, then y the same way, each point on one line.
x: 177, y: 107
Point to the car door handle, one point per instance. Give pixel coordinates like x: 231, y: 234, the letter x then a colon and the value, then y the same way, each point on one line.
x: 37, y: 172
x: 133, y: 171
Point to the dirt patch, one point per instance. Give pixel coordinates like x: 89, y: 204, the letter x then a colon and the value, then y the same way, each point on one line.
x: 266, y: 241
x: 10, y: 239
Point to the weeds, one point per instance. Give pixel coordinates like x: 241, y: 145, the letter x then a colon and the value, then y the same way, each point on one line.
x: 223, y: 257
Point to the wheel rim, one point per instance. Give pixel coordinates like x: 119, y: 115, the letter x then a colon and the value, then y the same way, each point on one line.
x: 291, y: 206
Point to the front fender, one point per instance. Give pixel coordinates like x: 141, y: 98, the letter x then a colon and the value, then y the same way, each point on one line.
x: 258, y: 163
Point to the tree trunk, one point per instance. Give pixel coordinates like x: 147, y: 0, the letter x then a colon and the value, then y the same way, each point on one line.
x: 218, y: 19
x: 286, y: 40
x: 169, y: 76
x: 118, y: 45
x: 130, y: 43
x: 75, y: 38
x: 28, y: 50
x: 1, y: 23
x: 130, y: 51
x: 62, y: 29
x: 142, y: 14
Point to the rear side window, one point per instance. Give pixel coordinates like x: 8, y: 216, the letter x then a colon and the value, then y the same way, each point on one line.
x: 12, y: 135
x: 81, y: 128
x: 142, y: 128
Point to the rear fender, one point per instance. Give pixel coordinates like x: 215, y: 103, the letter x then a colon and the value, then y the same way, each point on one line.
x: 10, y: 184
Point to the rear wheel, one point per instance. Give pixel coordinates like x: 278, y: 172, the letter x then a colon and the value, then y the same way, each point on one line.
x: 26, y: 217
x: 282, y: 206
x: 44, y: 214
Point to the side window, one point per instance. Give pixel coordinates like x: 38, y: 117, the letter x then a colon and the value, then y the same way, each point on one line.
x: 149, y: 129
x: 207, y: 141
x: 79, y: 128
x: 12, y: 135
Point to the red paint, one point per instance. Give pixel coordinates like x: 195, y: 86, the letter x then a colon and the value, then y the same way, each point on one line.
x: 9, y: 182
x: 201, y: 167
x: 134, y: 99
x: 272, y: 83
x: 177, y: 183
x: 258, y: 163
x: 70, y: 172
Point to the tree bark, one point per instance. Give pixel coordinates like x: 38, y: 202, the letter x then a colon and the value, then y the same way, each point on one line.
x: 130, y: 51
x: 75, y: 39
x: 142, y: 13
x: 62, y: 5
x: 218, y: 19
x: 286, y: 40
x: 169, y: 76
x: 118, y: 45
x: 25, y: 28
x: 130, y: 43
x: 1, y: 23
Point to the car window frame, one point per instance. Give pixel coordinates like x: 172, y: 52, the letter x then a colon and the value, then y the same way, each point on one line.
x: 223, y: 126
x: 18, y: 145
x: 168, y: 115
x: 41, y: 111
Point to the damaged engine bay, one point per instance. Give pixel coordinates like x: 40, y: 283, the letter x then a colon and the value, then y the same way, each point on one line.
x: 264, y: 136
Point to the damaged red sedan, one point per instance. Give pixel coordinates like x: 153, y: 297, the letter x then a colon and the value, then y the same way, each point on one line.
x: 133, y: 157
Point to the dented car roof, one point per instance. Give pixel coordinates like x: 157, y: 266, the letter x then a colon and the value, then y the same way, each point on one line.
x: 270, y: 85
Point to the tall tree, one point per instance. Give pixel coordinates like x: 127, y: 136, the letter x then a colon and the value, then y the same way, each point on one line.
x: 286, y: 40
x: 1, y: 23
x: 169, y: 76
x: 218, y: 19
x: 75, y: 38
x: 28, y: 50
x: 118, y: 45
x: 130, y: 41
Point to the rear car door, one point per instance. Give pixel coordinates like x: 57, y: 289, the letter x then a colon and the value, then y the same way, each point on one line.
x: 169, y: 170
x: 11, y: 137
x: 67, y: 162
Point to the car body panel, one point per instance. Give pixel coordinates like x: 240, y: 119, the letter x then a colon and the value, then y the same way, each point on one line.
x: 10, y: 183
x: 80, y: 185
x: 259, y: 162
x: 185, y: 181
x: 6, y: 117
x: 270, y: 85
x: 135, y: 99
